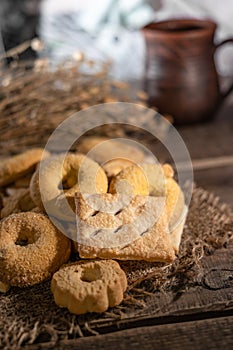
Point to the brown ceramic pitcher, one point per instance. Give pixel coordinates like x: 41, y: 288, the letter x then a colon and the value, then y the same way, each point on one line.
x: 180, y: 73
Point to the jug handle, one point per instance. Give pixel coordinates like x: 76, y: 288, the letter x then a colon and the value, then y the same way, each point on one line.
x: 228, y: 91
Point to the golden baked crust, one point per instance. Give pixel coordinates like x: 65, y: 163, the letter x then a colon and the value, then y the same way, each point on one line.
x: 152, y: 243
x: 89, y: 286
x: 31, y: 249
x: 115, y: 149
x: 174, y: 202
x: 143, y: 179
x: 17, y: 166
x: 131, y: 179
x: 50, y: 186
x: 153, y: 180
x: 24, y: 181
x: 158, y: 243
x: 114, y: 166
x: 35, y: 190
x: 18, y: 202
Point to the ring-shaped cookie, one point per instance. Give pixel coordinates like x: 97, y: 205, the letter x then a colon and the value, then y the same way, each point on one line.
x: 54, y: 183
x: 31, y: 249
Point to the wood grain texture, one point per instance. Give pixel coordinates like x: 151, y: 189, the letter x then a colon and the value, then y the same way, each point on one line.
x: 210, y: 293
x: 212, y: 334
x: 189, y: 316
x: 219, y: 181
x: 213, y: 140
x: 209, y: 140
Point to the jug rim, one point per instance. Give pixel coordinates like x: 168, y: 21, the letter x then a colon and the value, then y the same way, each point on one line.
x: 181, y: 27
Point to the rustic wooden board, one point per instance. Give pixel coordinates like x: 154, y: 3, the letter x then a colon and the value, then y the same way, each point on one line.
x: 213, y: 139
x: 211, y: 292
x: 208, y: 141
x: 215, y: 334
x: 219, y: 181
x: 184, y: 319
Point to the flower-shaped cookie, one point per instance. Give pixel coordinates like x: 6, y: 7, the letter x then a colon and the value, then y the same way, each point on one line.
x: 89, y: 286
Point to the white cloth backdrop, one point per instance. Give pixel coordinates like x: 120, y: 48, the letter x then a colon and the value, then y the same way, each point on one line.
x: 109, y: 29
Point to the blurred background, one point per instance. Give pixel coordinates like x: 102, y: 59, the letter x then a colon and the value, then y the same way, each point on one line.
x: 108, y: 30
x: 105, y: 30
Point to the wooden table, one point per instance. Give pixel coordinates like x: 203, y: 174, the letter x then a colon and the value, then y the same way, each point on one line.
x: 213, y: 140
x: 202, y: 317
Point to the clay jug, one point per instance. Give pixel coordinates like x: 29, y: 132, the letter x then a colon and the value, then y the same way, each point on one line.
x: 180, y: 73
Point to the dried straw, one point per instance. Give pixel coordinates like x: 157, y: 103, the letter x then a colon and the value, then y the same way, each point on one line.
x: 34, y: 99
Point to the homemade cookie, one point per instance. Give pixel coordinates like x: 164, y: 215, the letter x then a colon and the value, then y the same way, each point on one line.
x: 115, y: 220
x: 17, y: 166
x: 18, y: 202
x: 175, y: 203
x: 114, y: 166
x: 89, y: 286
x: 35, y: 190
x: 102, y: 151
x: 55, y: 183
x: 143, y: 179
x: 31, y: 249
x: 153, y: 180
x: 23, y: 182
x: 138, y: 231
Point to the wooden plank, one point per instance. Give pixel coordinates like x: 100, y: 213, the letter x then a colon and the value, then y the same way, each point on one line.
x: 212, y: 334
x: 211, y: 139
x: 208, y: 140
x: 211, y: 292
x: 209, y: 296
x: 218, y: 181
x: 208, y: 163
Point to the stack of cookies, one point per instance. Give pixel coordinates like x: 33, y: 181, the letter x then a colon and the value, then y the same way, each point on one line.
x: 102, y: 206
